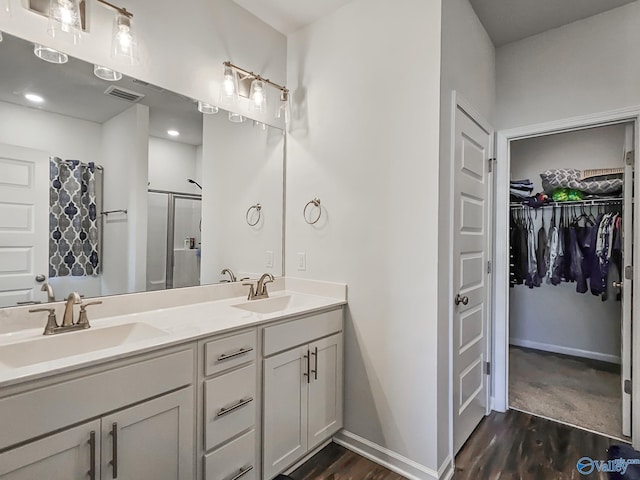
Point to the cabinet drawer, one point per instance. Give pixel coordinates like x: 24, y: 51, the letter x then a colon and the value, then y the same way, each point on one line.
x: 291, y: 334
x: 230, y: 405
x: 226, y: 353
x: 230, y: 461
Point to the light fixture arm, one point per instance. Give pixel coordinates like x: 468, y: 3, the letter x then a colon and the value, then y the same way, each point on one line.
x: 120, y: 10
x: 252, y: 75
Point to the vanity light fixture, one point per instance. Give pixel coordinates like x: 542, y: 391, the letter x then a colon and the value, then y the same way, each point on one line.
x: 258, y: 91
x: 207, y: 108
x: 124, y: 44
x: 65, y: 20
x: 107, y: 74
x: 32, y: 97
x: 235, y: 117
x: 49, y: 54
x: 173, y: 133
x: 229, y: 90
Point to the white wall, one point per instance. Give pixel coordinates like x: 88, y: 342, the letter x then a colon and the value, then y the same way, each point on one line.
x: 558, y: 318
x: 184, y: 55
x: 241, y: 166
x: 64, y: 137
x: 126, y: 146
x: 364, y: 139
x: 170, y: 164
x: 468, y: 68
x: 585, y: 67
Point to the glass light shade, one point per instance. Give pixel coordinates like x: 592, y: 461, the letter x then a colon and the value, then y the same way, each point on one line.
x: 49, y: 54
x: 106, y: 73
x: 207, y: 108
x: 258, y: 96
x: 260, y: 125
x: 284, y: 109
x: 235, y: 117
x: 65, y: 20
x: 124, y: 47
x: 229, y: 88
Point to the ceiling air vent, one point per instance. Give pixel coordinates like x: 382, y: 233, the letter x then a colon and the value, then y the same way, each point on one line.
x: 124, y: 94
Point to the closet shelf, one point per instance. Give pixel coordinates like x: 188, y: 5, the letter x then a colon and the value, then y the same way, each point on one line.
x: 579, y: 203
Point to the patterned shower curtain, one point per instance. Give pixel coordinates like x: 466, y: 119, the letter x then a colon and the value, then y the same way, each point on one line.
x: 73, y: 227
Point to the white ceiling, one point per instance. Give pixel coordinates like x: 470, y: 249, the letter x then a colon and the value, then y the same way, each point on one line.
x: 73, y: 90
x: 287, y: 16
x: 508, y: 21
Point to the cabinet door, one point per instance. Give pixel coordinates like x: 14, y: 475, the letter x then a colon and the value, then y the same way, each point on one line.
x: 70, y: 455
x: 151, y: 441
x: 325, y: 389
x: 285, y: 410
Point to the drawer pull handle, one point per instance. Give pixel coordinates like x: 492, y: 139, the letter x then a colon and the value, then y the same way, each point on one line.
x: 241, y: 403
x: 307, y: 373
x: 227, y: 356
x: 242, y: 472
x: 114, y: 461
x: 92, y: 455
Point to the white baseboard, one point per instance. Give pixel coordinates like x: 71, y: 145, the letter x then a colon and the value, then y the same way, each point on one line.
x: 392, y: 460
x: 575, y: 352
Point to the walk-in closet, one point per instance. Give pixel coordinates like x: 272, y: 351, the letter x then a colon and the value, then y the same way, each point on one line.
x: 568, y: 348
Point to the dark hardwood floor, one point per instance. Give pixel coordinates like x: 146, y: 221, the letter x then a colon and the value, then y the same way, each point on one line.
x: 509, y: 446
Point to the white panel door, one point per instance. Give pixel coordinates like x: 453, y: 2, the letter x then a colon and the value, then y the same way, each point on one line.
x: 470, y: 276
x: 151, y: 441
x: 325, y: 389
x: 627, y: 283
x: 24, y: 223
x: 285, y: 409
x: 73, y: 454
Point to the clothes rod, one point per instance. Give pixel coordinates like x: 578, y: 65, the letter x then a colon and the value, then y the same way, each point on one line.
x: 577, y: 203
x: 109, y: 212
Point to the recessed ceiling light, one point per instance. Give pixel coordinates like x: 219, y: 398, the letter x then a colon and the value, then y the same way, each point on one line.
x: 107, y: 74
x: 173, y: 133
x: 32, y: 97
x: 49, y: 54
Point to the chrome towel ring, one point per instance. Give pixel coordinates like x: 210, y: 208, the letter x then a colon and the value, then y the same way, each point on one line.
x: 316, y: 203
x: 258, y: 208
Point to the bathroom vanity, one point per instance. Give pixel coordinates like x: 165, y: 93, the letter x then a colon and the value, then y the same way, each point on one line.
x: 221, y: 390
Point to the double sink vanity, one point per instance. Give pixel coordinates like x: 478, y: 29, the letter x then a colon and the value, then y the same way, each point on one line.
x: 194, y: 383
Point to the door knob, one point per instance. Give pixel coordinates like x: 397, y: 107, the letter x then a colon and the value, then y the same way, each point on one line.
x: 40, y: 278
x: 464, y: 300
x: 617, y: 284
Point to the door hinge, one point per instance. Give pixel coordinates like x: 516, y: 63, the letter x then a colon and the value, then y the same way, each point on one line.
x: 487, y: 368
x: 490, y: 163
x: 628, y: 272
x: 489, y: 267
x: 627, y: 387
x: 630, y: 157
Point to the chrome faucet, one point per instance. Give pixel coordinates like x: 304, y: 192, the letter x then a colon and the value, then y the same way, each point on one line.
x: 46, y: 287
x: 231, y: 275
x: 72, y: 299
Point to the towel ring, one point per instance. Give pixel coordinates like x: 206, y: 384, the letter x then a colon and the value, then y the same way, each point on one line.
x: 315, y: 202
x: 258, y: 208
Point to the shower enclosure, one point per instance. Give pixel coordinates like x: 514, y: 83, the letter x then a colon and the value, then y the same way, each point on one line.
x: 173, y: 240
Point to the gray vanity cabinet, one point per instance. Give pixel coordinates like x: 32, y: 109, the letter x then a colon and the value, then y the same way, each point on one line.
x: 68, y: 455
x: 302, y: 402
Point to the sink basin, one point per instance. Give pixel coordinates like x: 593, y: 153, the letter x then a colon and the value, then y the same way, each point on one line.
x: 267, y: 305
x: 48, y: 348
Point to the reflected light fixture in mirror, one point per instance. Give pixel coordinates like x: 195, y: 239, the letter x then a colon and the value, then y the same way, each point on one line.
x: 6, y: 7
x: 107, y: 74
x: 229, y: 90
x: 260, y: 125
x: 125, y: 45
x: 235, y: 117
x: 258, y: 96
x: 1, y: 37
x: 34, y: 98
x: 207, y: 108
x: 284, y: 110
x: 173, y: 133
x: 65, y: 20
x: 49, y: 54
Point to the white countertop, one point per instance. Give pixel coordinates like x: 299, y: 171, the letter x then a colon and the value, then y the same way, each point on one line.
x: 179, y: 324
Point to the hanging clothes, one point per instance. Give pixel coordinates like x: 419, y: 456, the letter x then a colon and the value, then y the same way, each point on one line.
x: 533, y: 279
x: 73, y: 228
x: 541, y: 251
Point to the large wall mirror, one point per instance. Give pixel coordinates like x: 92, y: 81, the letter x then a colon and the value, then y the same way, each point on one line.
x: 111, y: 187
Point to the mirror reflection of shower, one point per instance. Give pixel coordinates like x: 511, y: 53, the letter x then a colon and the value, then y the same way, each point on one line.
x: 173, y: 251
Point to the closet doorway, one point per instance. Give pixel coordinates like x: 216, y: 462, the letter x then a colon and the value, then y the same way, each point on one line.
x: 565, y: 289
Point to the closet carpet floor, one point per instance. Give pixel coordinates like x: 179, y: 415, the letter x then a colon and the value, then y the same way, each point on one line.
x: 576, y: 391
